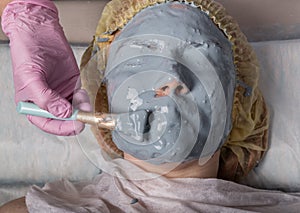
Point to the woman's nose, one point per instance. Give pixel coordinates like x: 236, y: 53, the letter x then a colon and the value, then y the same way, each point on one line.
x: 172, y: 87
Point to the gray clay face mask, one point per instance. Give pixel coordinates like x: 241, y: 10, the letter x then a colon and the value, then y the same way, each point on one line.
x: 178, y: 67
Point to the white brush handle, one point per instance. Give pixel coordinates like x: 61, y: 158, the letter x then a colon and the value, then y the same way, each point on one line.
x: 32, y: 109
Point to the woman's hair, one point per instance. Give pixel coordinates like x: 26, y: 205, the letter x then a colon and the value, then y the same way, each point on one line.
x: 248, y: 138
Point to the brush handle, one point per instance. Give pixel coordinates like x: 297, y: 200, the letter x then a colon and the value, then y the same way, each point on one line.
x: 102, y: 120
x: 32, y: 109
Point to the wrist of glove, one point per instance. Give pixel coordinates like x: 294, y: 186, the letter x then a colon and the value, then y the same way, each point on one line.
x: 44, y: 68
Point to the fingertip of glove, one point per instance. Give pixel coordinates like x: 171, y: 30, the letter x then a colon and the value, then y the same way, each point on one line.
x: 85, y: 107
x: 81, y: 100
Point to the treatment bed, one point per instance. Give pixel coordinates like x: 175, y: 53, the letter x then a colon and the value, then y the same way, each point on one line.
x: 29, y: 156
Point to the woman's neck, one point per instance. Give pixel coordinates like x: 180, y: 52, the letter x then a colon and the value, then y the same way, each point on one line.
x: 189, y: 169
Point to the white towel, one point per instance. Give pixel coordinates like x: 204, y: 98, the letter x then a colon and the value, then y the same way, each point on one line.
x: 119, y: 191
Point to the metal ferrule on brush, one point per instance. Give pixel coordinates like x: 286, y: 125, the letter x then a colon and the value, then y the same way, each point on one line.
x: 102, y: 120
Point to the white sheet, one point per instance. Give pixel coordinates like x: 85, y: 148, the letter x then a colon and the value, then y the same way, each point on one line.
x: 122, y: 192
x: 280, y: 85
x: 29, y: 156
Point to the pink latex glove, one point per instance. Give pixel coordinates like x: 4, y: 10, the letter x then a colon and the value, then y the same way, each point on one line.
x: 44, y: 68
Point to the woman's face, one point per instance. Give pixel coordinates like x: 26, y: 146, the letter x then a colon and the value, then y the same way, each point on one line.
x: 185, y: 81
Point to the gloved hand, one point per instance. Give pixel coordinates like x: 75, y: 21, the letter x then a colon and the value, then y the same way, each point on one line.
x: 44, y: 68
